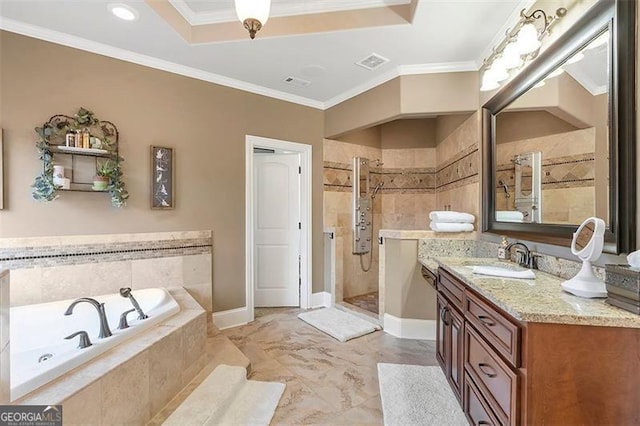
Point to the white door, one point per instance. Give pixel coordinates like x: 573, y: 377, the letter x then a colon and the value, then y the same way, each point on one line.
x: 276, y: 229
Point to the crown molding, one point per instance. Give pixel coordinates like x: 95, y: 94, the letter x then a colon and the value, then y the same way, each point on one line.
x: 279, y: 9
x: 149, y: 61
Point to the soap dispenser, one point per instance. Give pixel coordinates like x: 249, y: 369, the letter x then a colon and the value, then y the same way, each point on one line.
x: 502, y: 250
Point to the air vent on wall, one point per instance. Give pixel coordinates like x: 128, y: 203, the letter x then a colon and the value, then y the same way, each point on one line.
x: 297, y: 81
x: 372, y: 61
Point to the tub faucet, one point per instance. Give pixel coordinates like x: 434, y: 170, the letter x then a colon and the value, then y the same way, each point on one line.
x: 126, y: 292
x: 104, y: 324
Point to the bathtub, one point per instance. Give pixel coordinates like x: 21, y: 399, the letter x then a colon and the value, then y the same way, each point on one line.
x: 39, y: 352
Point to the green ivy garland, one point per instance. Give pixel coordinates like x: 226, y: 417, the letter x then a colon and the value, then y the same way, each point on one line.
x: 43, y: 187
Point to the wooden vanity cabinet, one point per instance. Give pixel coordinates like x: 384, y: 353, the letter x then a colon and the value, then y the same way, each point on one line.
x: 449, y: 339
x: 533, y: 373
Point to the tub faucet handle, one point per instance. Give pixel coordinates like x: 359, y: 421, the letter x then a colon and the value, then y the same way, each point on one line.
x: 84, y: 339
x: 123, y: 319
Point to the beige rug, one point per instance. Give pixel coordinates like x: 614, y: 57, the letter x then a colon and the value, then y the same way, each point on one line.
x: 226, y: 397
x: 338, y: 324
x: 417, y: 395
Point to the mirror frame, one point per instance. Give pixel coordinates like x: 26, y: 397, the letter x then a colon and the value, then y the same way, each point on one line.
x: 619, y: 17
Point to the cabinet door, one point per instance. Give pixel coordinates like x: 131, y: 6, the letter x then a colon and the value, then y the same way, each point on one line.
x: 441, y: 333
x: 456, y: 324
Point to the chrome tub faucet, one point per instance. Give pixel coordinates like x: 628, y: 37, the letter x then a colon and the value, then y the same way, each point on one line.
x: 104, y: 324
x: 126, y: 292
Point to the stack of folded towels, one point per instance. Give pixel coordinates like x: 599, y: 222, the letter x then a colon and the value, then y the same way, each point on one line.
x: 448, y: 221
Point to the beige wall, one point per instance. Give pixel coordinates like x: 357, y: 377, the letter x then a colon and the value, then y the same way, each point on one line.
x: 204, y: 122
x: 518, y: 125
x: 371, y: 136
x: 409, y: 133
x: 407, y: 294
x: 405, y: 96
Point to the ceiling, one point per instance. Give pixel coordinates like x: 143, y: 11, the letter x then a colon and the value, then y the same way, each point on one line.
x: 442, y: 36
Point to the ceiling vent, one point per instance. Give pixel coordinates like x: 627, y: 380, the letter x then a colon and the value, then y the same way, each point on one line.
x: 372, y: 61
x: 297, y: 81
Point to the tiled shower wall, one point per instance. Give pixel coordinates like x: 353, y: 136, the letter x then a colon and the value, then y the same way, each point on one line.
x: 568, y: 174
x: 457, y: 170
x: 416, y: 182
x: 50, y: 268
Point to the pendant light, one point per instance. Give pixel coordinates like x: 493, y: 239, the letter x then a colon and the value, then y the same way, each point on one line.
x: 253, y: 14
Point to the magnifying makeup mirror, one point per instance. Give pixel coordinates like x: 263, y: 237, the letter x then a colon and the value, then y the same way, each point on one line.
x: 587, y: 244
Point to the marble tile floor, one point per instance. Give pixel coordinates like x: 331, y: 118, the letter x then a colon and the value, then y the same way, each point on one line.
x: 328, y: 382
x: 368, y: 302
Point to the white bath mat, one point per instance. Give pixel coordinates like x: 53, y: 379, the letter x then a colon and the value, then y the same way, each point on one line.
x: 417, y: 395
x: 338, y: 324
x: 226, y: 397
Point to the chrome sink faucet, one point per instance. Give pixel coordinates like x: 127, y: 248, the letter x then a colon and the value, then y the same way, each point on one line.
x: 104, y: 324
x: 525, y: 257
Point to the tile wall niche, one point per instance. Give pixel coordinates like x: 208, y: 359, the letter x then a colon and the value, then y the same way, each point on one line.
x: 57, y: 268
x: 568, y: 174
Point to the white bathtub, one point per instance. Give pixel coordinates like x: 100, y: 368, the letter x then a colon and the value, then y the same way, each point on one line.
x: 38, y: 330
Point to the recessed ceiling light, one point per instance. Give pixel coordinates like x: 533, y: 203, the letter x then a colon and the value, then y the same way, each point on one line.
x: 123, y: 11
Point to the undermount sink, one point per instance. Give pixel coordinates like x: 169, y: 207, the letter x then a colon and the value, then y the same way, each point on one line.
x: 496, y: 268
x: 494, y: 264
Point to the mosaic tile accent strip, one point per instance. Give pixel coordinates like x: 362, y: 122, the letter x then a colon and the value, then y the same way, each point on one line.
x: 337, y: 177
x: 561, y: 172
x: 29, y: 257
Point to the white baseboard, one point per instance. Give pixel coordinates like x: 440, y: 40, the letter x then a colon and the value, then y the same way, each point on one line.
x: 322, y: 298
x: 231, y: 318
x: 409, y: 328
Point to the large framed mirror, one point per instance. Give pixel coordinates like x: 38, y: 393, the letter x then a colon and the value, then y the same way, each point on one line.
x: 559, y: 138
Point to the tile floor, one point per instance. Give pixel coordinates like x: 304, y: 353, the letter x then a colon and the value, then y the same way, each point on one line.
x: 328, y: 382
x: 368, y: 302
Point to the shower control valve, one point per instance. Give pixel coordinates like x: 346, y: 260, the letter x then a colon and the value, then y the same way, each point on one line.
x: 363, y: 228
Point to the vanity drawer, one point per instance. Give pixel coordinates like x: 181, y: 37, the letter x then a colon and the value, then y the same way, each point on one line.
x: 496, y: 381
x: 494, y: 327
x: 450, y: 286
x: 475, y: 407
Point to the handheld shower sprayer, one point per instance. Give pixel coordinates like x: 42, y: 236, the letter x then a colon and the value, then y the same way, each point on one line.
x: 377, y: 189
x: 126, y: 293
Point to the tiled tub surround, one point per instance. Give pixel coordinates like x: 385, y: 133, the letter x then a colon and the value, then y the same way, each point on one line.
x: 133, y: 381
x: 42, y: 329
x: 5, y: 347
x: 541, y: 300
x: 57, y: 268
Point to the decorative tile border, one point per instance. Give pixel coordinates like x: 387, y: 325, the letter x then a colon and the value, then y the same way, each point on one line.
x: 561, y: 172
x: 73, y: 254
x: 337, y: 178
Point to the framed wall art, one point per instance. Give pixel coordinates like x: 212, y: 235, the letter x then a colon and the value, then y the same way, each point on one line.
x: 162, y: 178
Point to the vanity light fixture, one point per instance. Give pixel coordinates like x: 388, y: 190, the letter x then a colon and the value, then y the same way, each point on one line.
x: 123, y: 11
x: 253, y: 14
x: 520, y: 44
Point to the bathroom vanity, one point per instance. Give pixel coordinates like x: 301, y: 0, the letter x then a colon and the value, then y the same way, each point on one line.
x: 524, y: 352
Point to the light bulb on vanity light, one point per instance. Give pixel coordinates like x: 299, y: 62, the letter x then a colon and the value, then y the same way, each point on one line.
x: 511, y: 56
x: 488, y: 81
x: 528, y: 39
x: 499, y: 69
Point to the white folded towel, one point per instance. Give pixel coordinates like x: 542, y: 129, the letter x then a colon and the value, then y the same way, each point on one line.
x: 451, y: 217
x: 451, y: 227
x: 509, y: 216
x: 503, y: 272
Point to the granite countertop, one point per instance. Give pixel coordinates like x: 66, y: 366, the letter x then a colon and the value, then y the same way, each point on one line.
x: 417, y: 234
x: 540, y: 300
